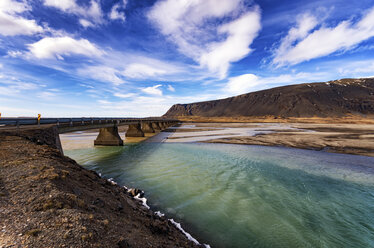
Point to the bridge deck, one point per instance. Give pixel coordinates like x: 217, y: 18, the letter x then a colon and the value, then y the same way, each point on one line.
x: 66, y: 125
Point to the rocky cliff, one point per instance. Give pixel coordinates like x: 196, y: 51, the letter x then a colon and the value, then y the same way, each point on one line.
x: 333, y: 98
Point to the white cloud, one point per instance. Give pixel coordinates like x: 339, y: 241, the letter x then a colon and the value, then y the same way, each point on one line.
x: 14, y: 54
x: 304, y: 42
x: 352, y: 68
x: 154, y: 90
x: 128, y: 95
x: 47, y: 95
x: 19, y: 85
x: 242, y: 84
x: 192, y: 26
x: 115, y: 14
x: 56, y: 47
x: 102, y: 73
x: 171, y: 88
x: 90, y: 12
x: 149, y: 105
x: 248, y: 82
x: 105, y: 102
x: 64, y: 5
x: 137, y: 70
x: 240, y: 35
x: 12, y: 24
x: 13, y: 7
x: 6, y: 91
x: 86, y: 23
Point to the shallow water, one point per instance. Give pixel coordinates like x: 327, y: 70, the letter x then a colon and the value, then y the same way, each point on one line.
x: 249, y: 196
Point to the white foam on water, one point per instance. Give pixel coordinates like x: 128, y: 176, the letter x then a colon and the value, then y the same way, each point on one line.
x: 159, y: 214
x: 111, y: 181
x: 143, y: 200
x: 178, y: 225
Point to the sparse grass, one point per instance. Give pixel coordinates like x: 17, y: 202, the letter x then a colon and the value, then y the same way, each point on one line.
x: 50, y: 204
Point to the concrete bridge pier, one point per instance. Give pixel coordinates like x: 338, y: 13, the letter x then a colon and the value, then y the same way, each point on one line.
x: 156, y: 126
x: 147, y: 127
x: 163, y: 125
x: 135, y: 130
x: 108, y: 136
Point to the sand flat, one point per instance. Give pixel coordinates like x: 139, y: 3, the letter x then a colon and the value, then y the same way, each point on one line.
x: 340, y: 138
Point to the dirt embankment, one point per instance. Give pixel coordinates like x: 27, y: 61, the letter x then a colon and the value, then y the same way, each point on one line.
x: 48, y: 200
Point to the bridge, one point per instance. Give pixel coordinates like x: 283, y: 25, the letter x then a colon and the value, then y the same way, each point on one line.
x: 108, y: 134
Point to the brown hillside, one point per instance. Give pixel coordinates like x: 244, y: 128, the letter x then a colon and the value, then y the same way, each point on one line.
x: 333, y: 98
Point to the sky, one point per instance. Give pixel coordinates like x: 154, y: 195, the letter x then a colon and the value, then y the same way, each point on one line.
x: 136, y: 58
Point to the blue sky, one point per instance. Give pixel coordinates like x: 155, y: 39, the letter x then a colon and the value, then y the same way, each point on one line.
x: 137, y: 58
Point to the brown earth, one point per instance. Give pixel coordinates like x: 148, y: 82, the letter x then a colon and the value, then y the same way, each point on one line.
x: 48, y: 200
x: 333, y: 98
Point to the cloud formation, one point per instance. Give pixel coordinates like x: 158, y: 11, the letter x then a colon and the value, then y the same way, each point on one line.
x: 305, y: 42
x: 89, y: 15
x: 213, y: 33
x: 58, y: 47
x: 11, y: 23
x: 137, y: 70
x: 248, y: 82
x: 102, y: 73
x: 171, y: 88
x: 116, y: 13
x: 154, y: 90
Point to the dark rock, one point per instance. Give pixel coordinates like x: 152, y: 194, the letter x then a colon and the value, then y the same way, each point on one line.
x: 98, y: 202
x: 135, y: 192
x: 159, y: 227
x: 77, y: 191
x: 119, y: 207
x: 123, y: 244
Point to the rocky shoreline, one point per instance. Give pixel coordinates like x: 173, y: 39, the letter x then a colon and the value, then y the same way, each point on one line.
x: 48, y: 200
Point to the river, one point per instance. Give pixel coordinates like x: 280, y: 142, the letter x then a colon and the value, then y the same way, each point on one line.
x: 248, y: 196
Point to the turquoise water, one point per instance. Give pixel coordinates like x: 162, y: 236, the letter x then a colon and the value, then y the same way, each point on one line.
x: 249, y: 196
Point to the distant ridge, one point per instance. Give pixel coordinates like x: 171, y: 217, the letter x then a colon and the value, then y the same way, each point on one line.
x: 333, y: 98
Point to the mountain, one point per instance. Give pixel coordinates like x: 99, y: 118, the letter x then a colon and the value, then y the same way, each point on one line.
x: 333, y: 98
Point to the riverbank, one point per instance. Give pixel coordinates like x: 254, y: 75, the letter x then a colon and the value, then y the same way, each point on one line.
x: 355, y: 139
x: 348, y: 138
x: 48, y: 200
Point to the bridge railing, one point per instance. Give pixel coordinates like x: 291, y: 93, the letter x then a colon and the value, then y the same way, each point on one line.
x: 22, y: 121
